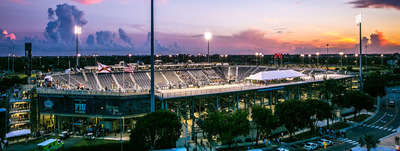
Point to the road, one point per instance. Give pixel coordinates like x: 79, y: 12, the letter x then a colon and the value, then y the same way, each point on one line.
x: 384, y: 123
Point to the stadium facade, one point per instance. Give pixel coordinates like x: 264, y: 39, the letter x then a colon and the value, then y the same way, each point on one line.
x: 86, y: 100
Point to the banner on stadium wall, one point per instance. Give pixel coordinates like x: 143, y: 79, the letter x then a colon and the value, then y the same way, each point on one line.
x: 80, y: 106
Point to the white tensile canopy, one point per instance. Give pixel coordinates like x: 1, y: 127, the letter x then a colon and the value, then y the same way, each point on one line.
x: 273, y: 75
x: 18, y: 133
x: 49, y: 78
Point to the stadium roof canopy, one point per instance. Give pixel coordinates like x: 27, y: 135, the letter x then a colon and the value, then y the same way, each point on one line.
x: 18, y: 133
x: 273, y: 75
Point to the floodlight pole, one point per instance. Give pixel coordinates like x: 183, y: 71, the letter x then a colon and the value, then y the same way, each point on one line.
x: 361, y: 79
x: 152, y: 99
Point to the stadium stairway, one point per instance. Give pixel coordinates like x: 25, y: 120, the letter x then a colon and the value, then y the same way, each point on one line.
x: 116, y: 81
x: 97, y: 81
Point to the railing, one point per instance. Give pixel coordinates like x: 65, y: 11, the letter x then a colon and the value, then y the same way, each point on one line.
x: 19, y: 110
x: 83, y: 92
x: 14, y: 100
x: 245, y: 87
x: 17, y: 121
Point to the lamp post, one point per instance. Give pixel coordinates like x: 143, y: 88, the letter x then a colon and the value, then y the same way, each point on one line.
x: 130, y: 55
x: 78, y: 30
x: 9, y: 62
x: 317, y: 54
x: 309, y: 59
x: 345, y: 56
x: 302, y: 58
x: 356, y: 55
x: 262, y: 59
x: 208, y: 36
x: 341, y: 60
x: 13, y: 62
x: 95, y: 59
x: 327, y: 57
x: 58, y: 61
x: 256, y: 58
x: 366, y: 56
x: 382, y: 59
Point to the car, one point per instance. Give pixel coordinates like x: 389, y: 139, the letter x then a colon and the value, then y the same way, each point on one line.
x: 310, y: 146
x: 281, y: 149
x: 319, y: 143
x: 391, y: 102
x: 328, y: 142
x: 64, y: 135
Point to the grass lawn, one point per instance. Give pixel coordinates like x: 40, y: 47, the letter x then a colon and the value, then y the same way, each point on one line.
x: 300, y: 136
x: 98, y: 145
x: 359, y: 118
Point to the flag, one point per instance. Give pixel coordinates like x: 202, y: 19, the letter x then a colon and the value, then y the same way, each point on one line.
x: 128, y: 68
x: 103, y: 68
x: 358, y: 19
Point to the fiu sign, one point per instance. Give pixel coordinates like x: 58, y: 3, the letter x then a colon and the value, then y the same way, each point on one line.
x: 80, y: 106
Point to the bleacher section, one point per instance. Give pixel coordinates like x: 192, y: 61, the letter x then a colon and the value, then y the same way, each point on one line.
x: 160, y: 81
x: 142, y: 80
x: 173, y: 79
x: 107, y: 82
x: 164, y: 79
x: 200, y: 77
x: 125, y: 81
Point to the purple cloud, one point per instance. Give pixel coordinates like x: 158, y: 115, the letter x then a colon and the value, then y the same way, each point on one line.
x: 376, y: 4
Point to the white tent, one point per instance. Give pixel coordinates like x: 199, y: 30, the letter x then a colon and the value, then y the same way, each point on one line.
x: 49, y: 78
x: 18, y: 133
x: 273, y: 75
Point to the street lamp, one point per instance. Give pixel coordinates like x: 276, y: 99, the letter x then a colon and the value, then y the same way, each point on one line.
x: 262, y: 58
x: 256, y: 58
x: 346, y: 60
x: 58, y: 61
x: 208, y: 36
x: 366, y: 56
x: 78, y: 30
x: 9, y: 62
x: 382, y: 59
x: 95, y: 60
x: 13, y: 62
x: 356, y: 55
x: 341, y: 60
x: 309, y: 59
x: 317, y: 58
x: 302, y: 57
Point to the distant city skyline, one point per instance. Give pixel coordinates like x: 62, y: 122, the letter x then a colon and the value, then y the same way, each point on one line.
x: 121, y: 27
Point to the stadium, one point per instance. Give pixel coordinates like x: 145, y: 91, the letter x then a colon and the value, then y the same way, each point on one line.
x: 108, y: 99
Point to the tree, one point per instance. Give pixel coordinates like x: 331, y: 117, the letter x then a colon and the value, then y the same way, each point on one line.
x: 375, y: 85
x: 156, y: 130
x: 368, y: 141
x: 226, y: 127
x: 338, y: 98
x: 320, y: 109
x: 265, y: 121
x: 327, y: 88
x: 359, y: 100
x: 293, y: 114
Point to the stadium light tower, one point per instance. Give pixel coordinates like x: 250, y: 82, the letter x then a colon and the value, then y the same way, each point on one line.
x: 358, y: 22
x: 317, y: 54
x: 152, y: 97
x: 327, y: 57
x: 309, y: 59
x: 78, y: 31
x: 382, y: 59
x: 9, y: 62
x: 341, y: 60
x: 208, y: 36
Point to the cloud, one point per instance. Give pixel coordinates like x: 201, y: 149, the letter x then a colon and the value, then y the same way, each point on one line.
x: 5, y: 36
x: 377, y: 39
x: 60, y: 29
x: 90, y: 40
x: 88, y: 2
x: 105, y: 38
x: 123, y: 36
x: 395, y: 4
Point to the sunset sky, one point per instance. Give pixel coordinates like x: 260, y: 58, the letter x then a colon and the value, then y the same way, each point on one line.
x: 119, y: 27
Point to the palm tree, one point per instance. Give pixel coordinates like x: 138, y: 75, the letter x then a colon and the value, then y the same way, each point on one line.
x: 338, y: 97
x: 368, y: 141
x: 327, y: 90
